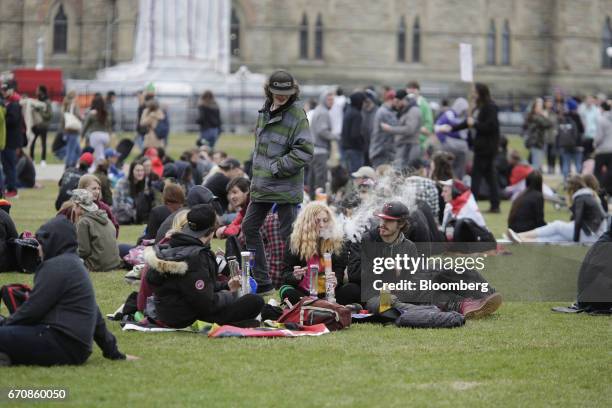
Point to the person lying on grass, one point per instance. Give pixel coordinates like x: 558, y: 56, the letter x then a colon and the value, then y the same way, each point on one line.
x: 60, y: 320
x: 183, y: 276
x: 388, y: 238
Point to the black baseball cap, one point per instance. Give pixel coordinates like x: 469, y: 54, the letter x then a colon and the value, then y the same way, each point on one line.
x: 282, y: 83
x: 400, y: 94
x: 394, y: 211
x: 201, y: 221
x: 229, y: 164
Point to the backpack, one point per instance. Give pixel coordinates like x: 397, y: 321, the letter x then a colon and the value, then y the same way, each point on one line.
x: 568, y: 134
x: 162, y: 130
x: 309, y: 311
x: 14, y: 295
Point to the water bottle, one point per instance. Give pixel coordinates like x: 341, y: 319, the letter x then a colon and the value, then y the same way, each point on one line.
x: 313, y: 271
x: 245, y: 258
x: 329, y: 275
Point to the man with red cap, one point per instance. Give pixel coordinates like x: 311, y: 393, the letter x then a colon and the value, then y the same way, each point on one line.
x: 389, y: 241
x: 70, y: 178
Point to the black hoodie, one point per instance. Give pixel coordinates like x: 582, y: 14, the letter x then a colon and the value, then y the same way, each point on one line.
x: 352, y: 138
x: 63, y: 296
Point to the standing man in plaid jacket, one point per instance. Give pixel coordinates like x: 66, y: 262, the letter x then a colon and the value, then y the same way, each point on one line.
x: 283, y: 147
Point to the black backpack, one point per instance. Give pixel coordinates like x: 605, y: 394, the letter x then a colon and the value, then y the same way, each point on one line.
x: 569, y: 136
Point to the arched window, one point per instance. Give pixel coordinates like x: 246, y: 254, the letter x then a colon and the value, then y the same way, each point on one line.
x: 319, y: 38
x: 606, y: 42
x: 416, y: 41
x: 60, y: 32
x: 304, y: 37
x: 401, y: 41
x: 506, y: 44
x: 491, y: 44
x: 235, y: 33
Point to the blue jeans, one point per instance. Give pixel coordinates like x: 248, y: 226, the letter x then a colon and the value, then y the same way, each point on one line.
x: 210, y: 135
x: 73, y: 149
x: 567, y: 156
x: 353, y: 159
x: 537, y: 158
x: 40, y: 345
x: 9, y: 165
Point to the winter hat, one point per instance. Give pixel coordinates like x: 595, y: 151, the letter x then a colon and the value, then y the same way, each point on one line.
x: 84, y: 199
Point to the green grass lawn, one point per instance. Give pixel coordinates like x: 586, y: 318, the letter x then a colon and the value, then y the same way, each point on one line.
x: 524, y: 355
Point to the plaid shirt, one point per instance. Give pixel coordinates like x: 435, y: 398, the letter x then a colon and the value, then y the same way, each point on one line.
x: 426, y: 191
x: 273, y: 245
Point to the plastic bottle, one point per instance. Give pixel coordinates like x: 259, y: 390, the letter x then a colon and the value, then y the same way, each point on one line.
x: 313, y: 271
x: 245, y: 257
x: 330, y: 295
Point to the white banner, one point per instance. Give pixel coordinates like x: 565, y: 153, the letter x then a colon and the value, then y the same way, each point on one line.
x: 465, y: 62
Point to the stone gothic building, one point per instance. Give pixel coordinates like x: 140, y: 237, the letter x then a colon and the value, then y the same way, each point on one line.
x: 521, y: 47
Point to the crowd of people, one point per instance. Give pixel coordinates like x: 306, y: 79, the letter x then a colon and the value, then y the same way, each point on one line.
x: 407, y: 177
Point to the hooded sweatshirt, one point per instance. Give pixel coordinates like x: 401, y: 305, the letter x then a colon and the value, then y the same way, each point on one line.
x: 63, y: 296
x: 352, y: 138
x: 321, y: 126
x: 603, y: 138
x: 453, y: 116
x: 408, y: 129
x: 183, y: 276
x: 14, y: 122
x: 97, y: 242
x: 381, y: 142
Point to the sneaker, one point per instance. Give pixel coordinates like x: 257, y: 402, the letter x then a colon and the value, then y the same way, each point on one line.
x: 477, y: 308
x: 514, y: 237
x: 11, y: 194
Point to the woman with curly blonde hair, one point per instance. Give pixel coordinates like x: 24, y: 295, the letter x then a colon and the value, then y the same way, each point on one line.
x: 315, y: 232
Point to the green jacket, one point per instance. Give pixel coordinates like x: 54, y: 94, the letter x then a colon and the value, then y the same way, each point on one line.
x: 426, y: 118
x: 97, y: 243
x: 2, y: 127
x: 283, y: 147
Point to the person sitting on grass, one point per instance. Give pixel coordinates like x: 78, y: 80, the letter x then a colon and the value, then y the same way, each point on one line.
x: 314, y: 233
x: 389, y: 239
x: 527, y: 210
x: 95, y: 234
x: 173, y: 198
x: 60, y: 320
x: 238, y: 198
x: 183, y: 275
x: 7, y: 232
x: 70, y: 179
x: 134, y: 196
x: 92, y: 184
x: 462, y: 220
x: 588, y: 221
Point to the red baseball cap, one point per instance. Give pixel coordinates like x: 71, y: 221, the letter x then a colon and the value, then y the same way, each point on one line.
x: 87, y: 158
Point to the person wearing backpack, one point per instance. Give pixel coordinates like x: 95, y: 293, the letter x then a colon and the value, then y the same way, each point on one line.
x: 315, y: 232
x: 60, y: 320
x: 183, y: 275
x: 151, y: 117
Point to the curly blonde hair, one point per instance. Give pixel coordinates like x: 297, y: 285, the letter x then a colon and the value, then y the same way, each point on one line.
x: 305, y: 241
